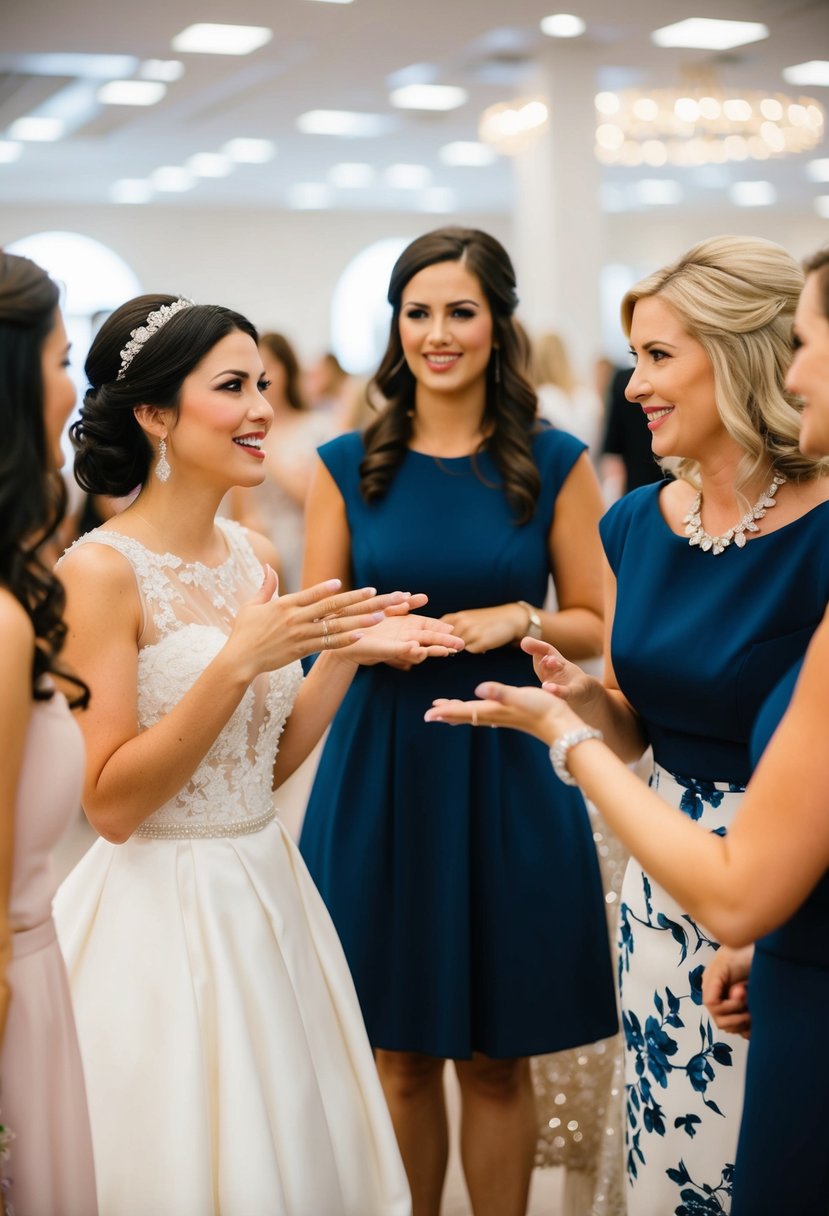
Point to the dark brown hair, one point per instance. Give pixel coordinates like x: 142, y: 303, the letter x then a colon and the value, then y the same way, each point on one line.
x: 112, y: 453
x: 32, y: 499
x: 279, y: 348
x: 511, y: 404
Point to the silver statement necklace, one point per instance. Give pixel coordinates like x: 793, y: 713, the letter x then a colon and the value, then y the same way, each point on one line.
x: 698, y: 536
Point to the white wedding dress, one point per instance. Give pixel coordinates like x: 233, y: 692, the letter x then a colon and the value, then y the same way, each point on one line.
x: 226, y: 1061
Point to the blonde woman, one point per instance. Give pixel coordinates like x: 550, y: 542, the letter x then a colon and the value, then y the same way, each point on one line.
x: 716, y: 582
x: 562, y: 400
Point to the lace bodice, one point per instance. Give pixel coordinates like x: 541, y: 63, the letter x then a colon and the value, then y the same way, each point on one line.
x: 188, y: 611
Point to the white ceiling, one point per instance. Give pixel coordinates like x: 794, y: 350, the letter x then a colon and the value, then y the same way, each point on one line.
x: 340, y: 56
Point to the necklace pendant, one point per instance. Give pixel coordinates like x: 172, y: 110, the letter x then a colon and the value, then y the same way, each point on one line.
x: 717, y: 544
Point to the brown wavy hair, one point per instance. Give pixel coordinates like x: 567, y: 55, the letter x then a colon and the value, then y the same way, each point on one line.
x: 510, y: 412
x: 32, y: 499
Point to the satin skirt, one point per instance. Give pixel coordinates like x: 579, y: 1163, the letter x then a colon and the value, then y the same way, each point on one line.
x: 228, y: 1069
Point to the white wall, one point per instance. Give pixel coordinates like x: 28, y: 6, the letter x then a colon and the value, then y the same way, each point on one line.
x: 279, y: 268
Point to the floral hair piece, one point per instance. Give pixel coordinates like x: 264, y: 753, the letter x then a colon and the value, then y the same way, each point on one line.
x: 155, y: 321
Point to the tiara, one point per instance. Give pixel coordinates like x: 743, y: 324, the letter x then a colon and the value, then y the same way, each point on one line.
x: 155, y: 321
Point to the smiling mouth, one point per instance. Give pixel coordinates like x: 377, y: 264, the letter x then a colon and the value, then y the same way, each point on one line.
x: 251, y: 442
x: 655, y: 415
x: 438, y: 362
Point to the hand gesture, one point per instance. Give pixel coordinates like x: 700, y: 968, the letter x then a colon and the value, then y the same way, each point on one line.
x: 559, y: 676
x: 271, y: 632
x: 725, y: 989
x: 529, y: 709
x: 484, y: 629
x: 404, y: 640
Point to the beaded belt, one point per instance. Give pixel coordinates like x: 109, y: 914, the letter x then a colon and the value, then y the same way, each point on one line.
x: 203, y: 831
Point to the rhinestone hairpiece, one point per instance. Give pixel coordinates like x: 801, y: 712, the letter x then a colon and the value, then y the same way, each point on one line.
x: 155, y: 321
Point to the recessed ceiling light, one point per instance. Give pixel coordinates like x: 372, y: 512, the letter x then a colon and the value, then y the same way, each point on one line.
x: 346, y: 123
x: 131, y: 190
x: 407, y: 177
x: 822, y: 205
x: 657, y: 191
x: 438, y: 198
x: 469, y: 153
x: 172, y: 178
x: 309, y: 196
x: 818, y: 170
x: 207, y: 39
x: 36, y: 129
x: 428, y: 97
x: 334, y: 1
x: 708, y: 33
x: 562, y: 25
x: 131, y: 92
x: 9, y: 151
x: 167, y: 70
x: 351, y: 176
x: 210, y: 164
x: 752, y: 194
x: 815, y: 72
x: 249, y: 151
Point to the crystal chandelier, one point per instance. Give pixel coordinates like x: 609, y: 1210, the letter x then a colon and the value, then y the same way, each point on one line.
x: 511, y: 126
x: 704, y: 125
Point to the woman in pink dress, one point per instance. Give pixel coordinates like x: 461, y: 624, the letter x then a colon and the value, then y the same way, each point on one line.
x: 49, y: 1171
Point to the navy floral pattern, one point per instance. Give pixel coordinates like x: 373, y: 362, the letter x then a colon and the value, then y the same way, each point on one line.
x: 683, y: 1079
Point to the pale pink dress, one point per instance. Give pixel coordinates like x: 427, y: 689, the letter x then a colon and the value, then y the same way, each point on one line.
x: 43, y: 1097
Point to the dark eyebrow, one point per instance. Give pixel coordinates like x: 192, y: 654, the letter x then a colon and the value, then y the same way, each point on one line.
x: 239, y: 375
x: 451, y: 304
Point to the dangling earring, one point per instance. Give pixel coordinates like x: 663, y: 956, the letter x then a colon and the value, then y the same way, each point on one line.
x: 497, y: 364
x: 162, y: 467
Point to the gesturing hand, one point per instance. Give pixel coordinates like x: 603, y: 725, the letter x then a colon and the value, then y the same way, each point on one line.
x: 484, y: 629
x: 271, y: 632
x: 531, y: 710
x: 559, y: 676
x: 405, y: 640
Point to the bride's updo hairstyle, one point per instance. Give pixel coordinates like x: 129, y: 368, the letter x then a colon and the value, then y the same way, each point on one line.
x: 112, y: 453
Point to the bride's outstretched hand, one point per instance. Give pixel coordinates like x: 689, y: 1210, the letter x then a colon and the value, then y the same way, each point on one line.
x: 403, y: 638
x: 531, y: 710
x: 559, y: 676
x: 270, y: 631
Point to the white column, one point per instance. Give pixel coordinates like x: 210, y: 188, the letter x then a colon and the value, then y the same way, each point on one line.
x: 558, y: 224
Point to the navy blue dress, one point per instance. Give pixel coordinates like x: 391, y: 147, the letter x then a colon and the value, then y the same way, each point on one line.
x: 698, y: 642
x: 783, y: 1154
x: 460, y: 873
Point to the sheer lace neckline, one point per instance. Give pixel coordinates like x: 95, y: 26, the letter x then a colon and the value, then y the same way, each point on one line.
x: 173, y: 559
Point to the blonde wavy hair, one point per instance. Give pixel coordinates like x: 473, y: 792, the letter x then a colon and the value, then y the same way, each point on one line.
x: 737, y: 296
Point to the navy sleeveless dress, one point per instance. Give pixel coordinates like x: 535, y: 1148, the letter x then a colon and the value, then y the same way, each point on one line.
x: 460, y: 873
x: 698, y: 643
x: 783, y: 1154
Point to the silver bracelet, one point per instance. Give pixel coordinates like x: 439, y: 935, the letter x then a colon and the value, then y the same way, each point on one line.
x: 559, y: 750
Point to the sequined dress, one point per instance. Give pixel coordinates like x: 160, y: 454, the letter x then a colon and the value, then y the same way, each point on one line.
x: 227, y: 1065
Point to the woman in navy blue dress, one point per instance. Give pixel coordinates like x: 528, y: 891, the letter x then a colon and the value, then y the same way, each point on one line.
x: 768, y: 877
x: 446, y: 876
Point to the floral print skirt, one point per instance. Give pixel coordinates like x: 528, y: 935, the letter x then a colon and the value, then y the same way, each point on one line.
x: 683, y: 1078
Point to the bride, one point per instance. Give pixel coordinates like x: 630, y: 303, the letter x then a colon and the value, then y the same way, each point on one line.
x: 226, y: 1061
